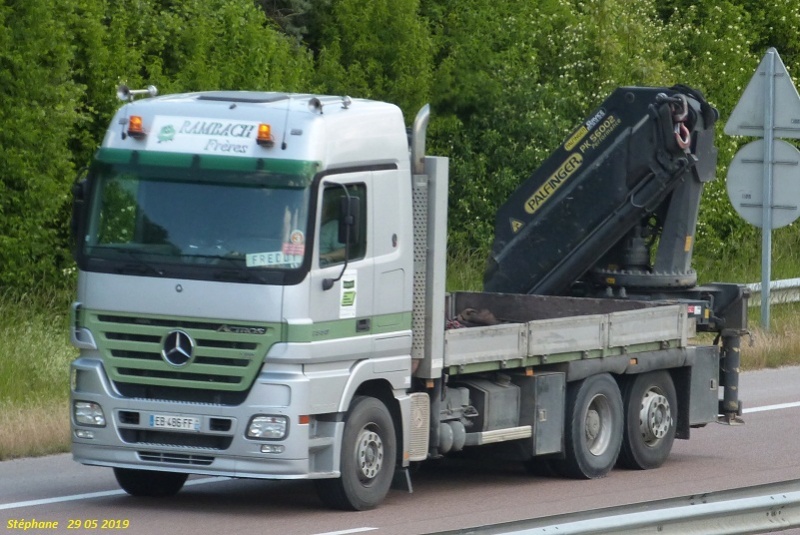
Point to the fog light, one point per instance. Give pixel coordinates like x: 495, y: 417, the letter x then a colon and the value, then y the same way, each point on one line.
x: 273, y: 427
x: 83, y: 433
x: 88, y: 413
x: 272, y: 448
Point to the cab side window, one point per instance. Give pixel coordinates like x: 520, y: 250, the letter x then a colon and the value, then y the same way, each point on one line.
x: 332, y: 233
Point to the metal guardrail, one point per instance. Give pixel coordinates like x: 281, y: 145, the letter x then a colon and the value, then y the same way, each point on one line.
x: 780, y: 291
x: 760, y: 509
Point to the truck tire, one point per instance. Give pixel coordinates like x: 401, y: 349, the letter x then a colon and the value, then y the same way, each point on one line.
x: 369, y: 451
x: 650, y: 411
x: 149, y: 482
x: 593, y: 430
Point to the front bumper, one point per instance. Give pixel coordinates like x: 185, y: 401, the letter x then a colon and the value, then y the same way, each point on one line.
x: 218, y: 446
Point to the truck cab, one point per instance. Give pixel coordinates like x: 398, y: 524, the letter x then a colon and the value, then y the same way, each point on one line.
x: 215, y: 334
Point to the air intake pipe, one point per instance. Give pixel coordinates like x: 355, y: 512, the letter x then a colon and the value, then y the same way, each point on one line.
x: 418, y: 140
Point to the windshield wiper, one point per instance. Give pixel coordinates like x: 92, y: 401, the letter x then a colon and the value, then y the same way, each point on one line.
x: 232, y: 275
x: 135, y: 264
x: 139, y: 269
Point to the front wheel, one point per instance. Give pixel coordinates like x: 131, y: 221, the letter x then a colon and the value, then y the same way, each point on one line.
x: 593, y: 431
x: 369, y: 449
x: 650, y: 412
x: 149, y: 482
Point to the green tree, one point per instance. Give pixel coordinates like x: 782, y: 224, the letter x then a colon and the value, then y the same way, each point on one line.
x: 292, y: 16
x: 222, y: 44
x: 190, y: 45
x: 59, y: 66
x: 379, y: 49
x: 37, y: 113
x: 514, y: 78
x: 711, y: 49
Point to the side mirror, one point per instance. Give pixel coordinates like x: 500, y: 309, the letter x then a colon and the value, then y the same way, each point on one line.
x: 349, y: 225
x: 80, y: 195
x: 350, y: 220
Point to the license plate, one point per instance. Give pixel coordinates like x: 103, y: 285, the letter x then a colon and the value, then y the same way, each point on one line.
x: 183, y: 423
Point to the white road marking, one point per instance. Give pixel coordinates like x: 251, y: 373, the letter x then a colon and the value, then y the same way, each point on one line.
x: 90, y: 495
x: 74, y: 497
x: 772, y: 407
x: 346, y: 531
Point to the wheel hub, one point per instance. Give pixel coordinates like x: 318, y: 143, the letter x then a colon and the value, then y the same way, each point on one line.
x: 597, y: 428
x: 369, y: 454
x: 655, y: 417
x: 592, y: 425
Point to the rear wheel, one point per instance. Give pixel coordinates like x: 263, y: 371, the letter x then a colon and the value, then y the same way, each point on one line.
x: 650, y: 410
x: 149, y: 482
x: 369, y: 450
x: 593, y: 431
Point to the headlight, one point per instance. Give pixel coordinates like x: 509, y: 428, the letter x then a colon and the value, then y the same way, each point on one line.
x: 269, y: 427
x: 88, y: 413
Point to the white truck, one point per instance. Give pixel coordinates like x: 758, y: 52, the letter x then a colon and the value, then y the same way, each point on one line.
x: 225, y: 329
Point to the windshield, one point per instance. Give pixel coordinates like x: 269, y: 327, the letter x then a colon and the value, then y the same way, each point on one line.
x: 168, y: 217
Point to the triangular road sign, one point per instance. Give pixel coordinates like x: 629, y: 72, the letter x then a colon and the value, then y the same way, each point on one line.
x: 747, y: 118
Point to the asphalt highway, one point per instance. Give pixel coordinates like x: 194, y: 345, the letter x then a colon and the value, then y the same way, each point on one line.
x: 56, y: 495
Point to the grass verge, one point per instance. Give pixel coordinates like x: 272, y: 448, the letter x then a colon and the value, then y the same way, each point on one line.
x: 776, y: 347
x: 32, y: 430
x: 34, y: 374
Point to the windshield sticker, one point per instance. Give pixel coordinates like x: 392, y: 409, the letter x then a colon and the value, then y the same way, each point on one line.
x: 296, y: 244
x: 210, y: 136
x: 277, y: 258
x: 294, y: 249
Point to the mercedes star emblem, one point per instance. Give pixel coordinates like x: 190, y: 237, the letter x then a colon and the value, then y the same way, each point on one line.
x: 177, y: 348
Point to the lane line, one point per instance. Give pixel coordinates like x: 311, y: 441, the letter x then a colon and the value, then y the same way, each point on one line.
x: 47, y: 501
x: 779, y: 406
x: 103, y: 494
x: 346, y: 531
x: 90, y: 495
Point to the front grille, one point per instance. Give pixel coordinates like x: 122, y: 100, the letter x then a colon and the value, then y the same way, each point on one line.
x: 169, y: 438
x: 181, y: 395
x: 133, y: 372
x: 227, y: 356
x: 141, y: 355
x: 171, y: 323
x: 175, y: 458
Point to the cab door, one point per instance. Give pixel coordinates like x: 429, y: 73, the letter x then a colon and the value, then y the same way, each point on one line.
x: 342, y: 287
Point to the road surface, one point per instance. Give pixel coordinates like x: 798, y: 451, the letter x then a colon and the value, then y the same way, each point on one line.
x: 451, y: 495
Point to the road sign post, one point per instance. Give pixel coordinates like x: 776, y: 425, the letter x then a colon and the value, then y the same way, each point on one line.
x: 769, y: 89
